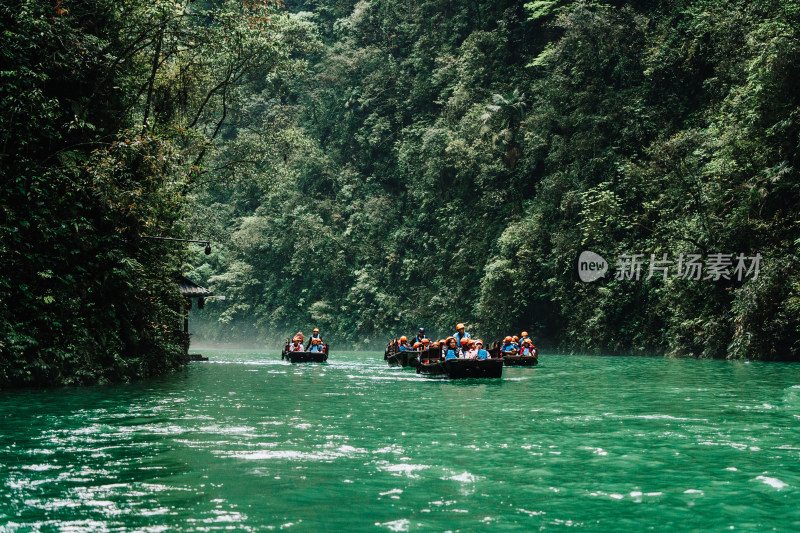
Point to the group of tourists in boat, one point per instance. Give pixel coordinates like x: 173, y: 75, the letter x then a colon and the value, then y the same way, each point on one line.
x: 444, y: 356
x: 315, y: 351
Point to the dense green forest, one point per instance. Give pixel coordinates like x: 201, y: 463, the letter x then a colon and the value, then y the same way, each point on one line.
x: 111, y: 114
x: 370, y: 167
x: 445, y: 161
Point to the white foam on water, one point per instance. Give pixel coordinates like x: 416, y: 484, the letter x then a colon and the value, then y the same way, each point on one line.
x: 466, y: 477
x: 396, y: 525
x: 772, y: 482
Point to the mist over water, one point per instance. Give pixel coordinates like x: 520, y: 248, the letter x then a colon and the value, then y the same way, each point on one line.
x: 248, y: 442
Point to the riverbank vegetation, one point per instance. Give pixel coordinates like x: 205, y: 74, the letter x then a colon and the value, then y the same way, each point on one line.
x: 449, y: 162
x: 372, y: 166
x: 110, y: 113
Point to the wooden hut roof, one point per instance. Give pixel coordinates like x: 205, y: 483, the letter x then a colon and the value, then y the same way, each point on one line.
x: 190, y: 289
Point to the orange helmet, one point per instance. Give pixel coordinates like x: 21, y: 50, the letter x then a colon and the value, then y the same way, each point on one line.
x: 464, y: 341
x: 515, y: 338
x: 425, y: 341
x: 316, y: 330
x: 507, y: 339
x: 524, y: 333
x: 459, y: 326
x: 527, y: 341
x: 478, y: 342
x: 296, y: 339
x: 416, y: 345
x: 404, y: 338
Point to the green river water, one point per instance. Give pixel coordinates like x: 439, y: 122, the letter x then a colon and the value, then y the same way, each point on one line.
x: 247, y: 442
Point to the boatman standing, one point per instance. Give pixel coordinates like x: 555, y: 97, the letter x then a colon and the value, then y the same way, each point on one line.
x: 420, y: 336
x: 314, y: 335
x: 460, y: 334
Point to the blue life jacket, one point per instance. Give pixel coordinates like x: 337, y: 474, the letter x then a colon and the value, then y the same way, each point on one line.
x: 402, y: 348
x: 451, y: 354
x: 458, y: 337
x: 483, y: 354
x: 316, y: 348
x: 510, y: 347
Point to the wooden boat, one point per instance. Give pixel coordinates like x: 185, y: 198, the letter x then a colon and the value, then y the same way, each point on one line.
x: 429, y: 362
x: 404, y: 359
x: 432, y: 364
x: 473, y: 368
x: 520, y: 360
x: 395, y: 357
x: 514, y: 360
x: 305, y: 356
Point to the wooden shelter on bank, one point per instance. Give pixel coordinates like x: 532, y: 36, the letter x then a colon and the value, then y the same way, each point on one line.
x: 191, y: 291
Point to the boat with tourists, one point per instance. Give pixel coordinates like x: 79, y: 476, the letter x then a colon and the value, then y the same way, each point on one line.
x: 433, y: 364
x: 399, y: 352
x: 315, y: 352
x: 396, y: 355
x: 528, y: 355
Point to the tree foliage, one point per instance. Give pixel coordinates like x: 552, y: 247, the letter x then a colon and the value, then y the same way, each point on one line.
x: 448, y: 162
x: 374, y: 166
x: 110, y: 113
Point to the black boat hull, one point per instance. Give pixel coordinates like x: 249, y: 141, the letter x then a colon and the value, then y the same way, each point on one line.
x: 463, y: 368
x: 520, y: 360
x: 305, y: 357
x: 473, y: 368
x: 432, y: 368
x: 404, y: 359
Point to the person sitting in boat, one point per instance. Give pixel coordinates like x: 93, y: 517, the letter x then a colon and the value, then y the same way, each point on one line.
x: 451, y: 350
x: 420, y: 335
x: 471, y: 351
x: 508, y: 347
x: 463, y: 345
x: 403, y: 346
x: 460, y: 334
x: 524, y: 336
x: 527, y: 348
x: 297, y: 344
x: 317, y: 346
x: 424, y: 344
x: 299, y: 335
x: 480, y: 352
